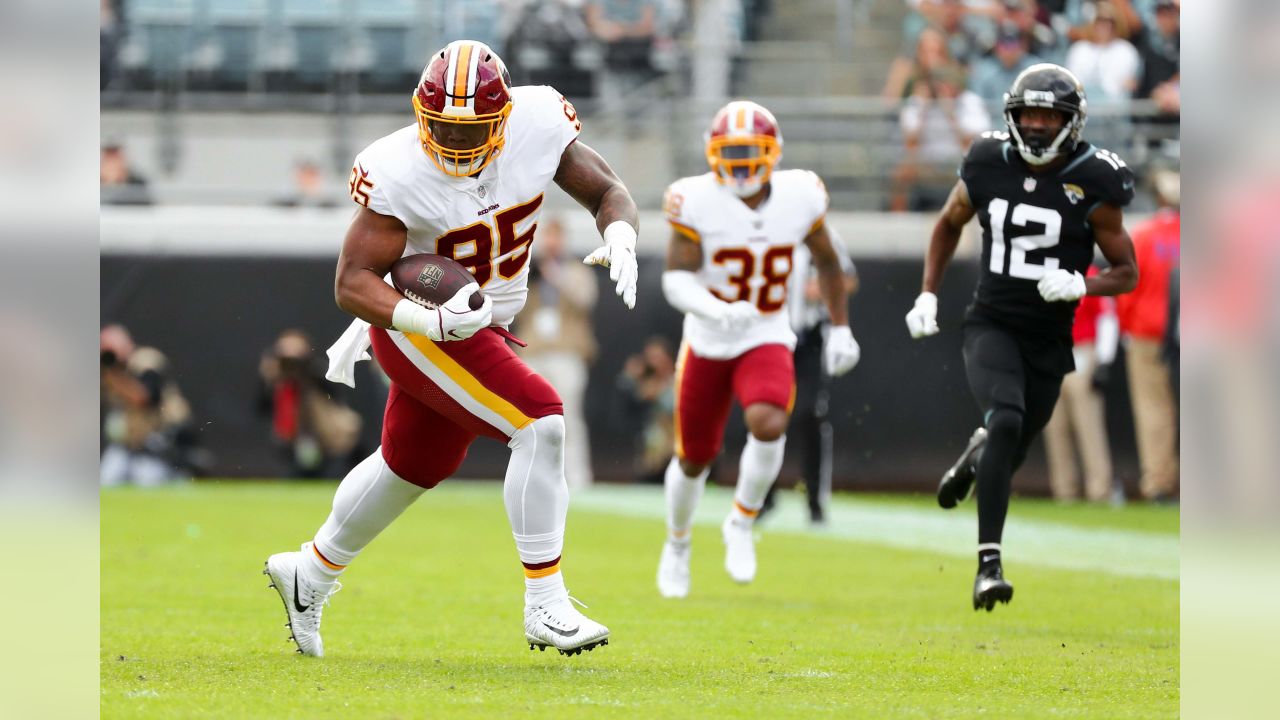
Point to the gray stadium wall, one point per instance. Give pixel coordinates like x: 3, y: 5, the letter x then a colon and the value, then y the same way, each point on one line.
x: 900, y: 417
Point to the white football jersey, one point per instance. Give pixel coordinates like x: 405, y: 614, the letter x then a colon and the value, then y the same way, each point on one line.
x: 485, y: 222
x: 746, y: 254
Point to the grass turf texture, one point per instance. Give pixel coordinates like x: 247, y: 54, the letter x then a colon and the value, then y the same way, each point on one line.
x: 429, y: 623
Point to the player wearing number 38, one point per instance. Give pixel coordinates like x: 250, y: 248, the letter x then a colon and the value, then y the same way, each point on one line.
x: 465, y: 181
x: 1045, y: 198
x: 730, y: 255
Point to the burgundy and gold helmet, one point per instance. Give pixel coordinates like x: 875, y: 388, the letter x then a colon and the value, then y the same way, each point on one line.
x: 743, y: 146
x: 462, y: 102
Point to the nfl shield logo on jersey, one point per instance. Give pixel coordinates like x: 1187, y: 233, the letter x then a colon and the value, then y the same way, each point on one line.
x: 1075, y: 193
x: 1029, y: 184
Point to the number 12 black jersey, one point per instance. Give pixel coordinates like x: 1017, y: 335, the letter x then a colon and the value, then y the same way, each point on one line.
x: 1036, y: 222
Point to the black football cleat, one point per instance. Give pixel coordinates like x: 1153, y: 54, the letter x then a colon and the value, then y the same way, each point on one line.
x: 990, y: 586
x: 957, y: 484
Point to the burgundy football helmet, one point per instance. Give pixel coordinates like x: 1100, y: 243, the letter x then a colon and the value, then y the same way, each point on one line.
x: 743, y: 146
x: 462, y: 102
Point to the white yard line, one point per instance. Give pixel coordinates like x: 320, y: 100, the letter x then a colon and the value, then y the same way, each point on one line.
x: 1057, y: 545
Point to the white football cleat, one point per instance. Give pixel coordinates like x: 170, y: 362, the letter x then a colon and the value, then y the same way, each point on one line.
x: 673, y: 569
x: 739, y: 550
x: 303, y: 600
x: 559, y: 625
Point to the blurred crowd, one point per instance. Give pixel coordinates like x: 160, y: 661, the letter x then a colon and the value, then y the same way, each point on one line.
x: 959, y: 56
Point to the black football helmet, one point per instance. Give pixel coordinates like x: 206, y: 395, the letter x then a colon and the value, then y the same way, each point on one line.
x: 1046, y: 85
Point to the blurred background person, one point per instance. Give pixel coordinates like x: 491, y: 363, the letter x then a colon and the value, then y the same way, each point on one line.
x: 810, y: 430
x: 1144, y: 317
x: 625, y: 29
x: 310, y: 187
x: 1106, y: 63
x: 1159, y: 45
x: 121, y: 184
x: 549, y: 44
x: 315, y: 432
x: 556, y: 323
x: 146, y: 422
x: 991, y: 76
x: 1079, y: 423
x: 933, y: 37
x: 938, y: 121
x: 645, y: 405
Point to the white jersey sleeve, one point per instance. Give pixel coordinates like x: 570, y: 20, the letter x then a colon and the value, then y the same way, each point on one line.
x: 548, y: 115
x: 681, y: 215
x: 817, y: 200
x: 376, y: 173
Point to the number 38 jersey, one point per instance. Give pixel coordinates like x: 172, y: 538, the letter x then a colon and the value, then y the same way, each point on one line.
x: 485, y: 222
x: 1035, y: 222
x: 746, y: 254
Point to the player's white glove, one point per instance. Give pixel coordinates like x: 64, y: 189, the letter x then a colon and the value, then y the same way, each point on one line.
x: 922, y: 321
x: 840, y: 352
x: 619, y: 255
x: 736, y: 316
x: 1061, y: 286
x: 454, y: 320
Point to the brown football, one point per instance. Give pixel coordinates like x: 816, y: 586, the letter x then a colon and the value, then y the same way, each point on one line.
x: 431, y: 280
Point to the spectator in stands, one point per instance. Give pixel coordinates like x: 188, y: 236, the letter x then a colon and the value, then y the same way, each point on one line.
x: 1104, y: 61
x: 1144, y: 316
x: 646, y: 407
x: 121, y: 184
x: 316, y: 432
x: 1079, y: 419
x: 625, y: 28
x: 1078, y: 16
x: 556, y: 322
x: 1033, y: 21
x: 1159, y: 45
x: 110, y: 33
x: 991, y: 77
x: 934, y: 34
x: 310, y: 188
x: 147, y: 438
x: 545, y: 45
x: 938, y: 123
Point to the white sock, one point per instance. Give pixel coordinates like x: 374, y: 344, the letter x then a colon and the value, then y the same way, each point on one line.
x: 682, y: 494
x: 368, y: 500
x: 761, y: 462
x: 537, y: 501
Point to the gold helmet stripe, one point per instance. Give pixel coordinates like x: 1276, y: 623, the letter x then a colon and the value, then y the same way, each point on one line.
x: 461, y: 73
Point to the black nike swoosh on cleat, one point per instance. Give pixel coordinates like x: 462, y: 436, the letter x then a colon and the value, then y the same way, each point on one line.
x: 297, y: 599
x: 560, y: 632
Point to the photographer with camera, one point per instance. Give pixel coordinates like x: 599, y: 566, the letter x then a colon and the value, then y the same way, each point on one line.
x: 146, y: 433
x: 315, y: 432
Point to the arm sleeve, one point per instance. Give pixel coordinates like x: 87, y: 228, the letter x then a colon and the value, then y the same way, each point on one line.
x: 557, y: 115
x: 820, y: 201
x: 368, y: 187
x: 679, y: 213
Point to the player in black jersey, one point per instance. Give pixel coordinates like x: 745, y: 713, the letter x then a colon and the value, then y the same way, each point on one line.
x: 1045, y: 198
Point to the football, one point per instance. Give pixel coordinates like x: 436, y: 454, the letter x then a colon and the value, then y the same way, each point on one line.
x: 430, y: 280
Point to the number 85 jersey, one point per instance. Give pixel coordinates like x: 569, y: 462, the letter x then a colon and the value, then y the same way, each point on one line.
x: 1036, y: 222
x: 485, y: 222
x: 746, y: 253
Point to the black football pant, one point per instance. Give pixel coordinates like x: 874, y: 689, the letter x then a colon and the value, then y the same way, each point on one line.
x: 810, y: 430
x: 1016, y: 400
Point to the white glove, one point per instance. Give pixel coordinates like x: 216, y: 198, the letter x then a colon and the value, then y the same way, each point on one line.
x: 454, y: 320
x: 736, y: 315
x: 840, y: 352
x: 1061, y: 286
x: 619, y: 255
x: 922, y: 321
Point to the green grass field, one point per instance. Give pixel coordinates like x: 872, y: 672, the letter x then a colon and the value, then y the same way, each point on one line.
x: 868, y: 618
